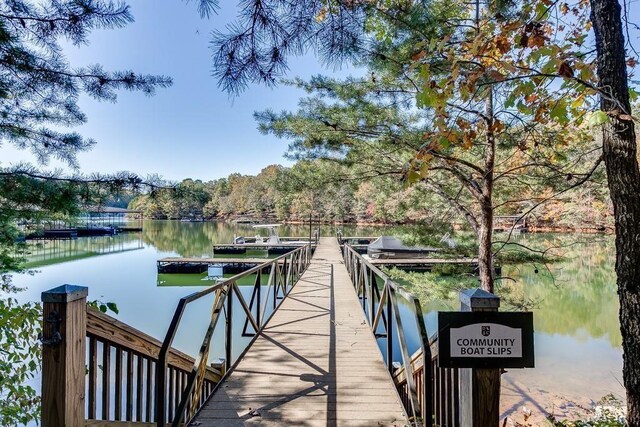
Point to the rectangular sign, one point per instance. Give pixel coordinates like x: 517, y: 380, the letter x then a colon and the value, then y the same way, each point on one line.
x: 485, y: 339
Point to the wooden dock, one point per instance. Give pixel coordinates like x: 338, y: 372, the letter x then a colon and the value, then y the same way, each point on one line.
x: 269, y: 248
x: 175, y: 265
x: 422, y: 264
x: 315, y: 364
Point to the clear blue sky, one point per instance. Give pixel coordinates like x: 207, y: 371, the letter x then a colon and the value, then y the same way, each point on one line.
x: 191, y: 129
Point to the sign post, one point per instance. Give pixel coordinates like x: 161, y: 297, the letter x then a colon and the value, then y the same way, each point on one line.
x: 480, y: 341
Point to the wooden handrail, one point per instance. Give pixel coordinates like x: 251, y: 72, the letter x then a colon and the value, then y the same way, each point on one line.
x: 116, y: 332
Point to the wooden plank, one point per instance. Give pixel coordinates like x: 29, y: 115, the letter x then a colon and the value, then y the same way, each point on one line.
x: 149, y: 388
x: 129, y: 401
x: 259, y: 245
x: 422, y: 261
x: 316, y: 361
x: 172, y: 389
x: 139, y: 384
x: 118, y: 391
x: 179, y: 260
x: 102, y: 423
x: 93, y: 376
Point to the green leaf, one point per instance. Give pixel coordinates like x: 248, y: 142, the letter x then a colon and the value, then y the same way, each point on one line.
x: 113, y: 307
x: 412, y: 177
x: 597, y: 118
x: 102, y: 308
x: 559, y: 113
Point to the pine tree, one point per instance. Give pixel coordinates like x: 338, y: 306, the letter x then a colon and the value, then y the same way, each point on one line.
x: 39, y: 91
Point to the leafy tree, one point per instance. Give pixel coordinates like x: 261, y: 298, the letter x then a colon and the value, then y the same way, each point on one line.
x: 524, y: 45
x: 373, y: 126
x: 19, y: 356
x: 620, y: 157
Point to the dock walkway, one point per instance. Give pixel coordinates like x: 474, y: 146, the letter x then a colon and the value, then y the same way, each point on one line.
x: 315, y: 364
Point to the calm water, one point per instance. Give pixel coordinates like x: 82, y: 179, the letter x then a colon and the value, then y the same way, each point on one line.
x: 578, y: 344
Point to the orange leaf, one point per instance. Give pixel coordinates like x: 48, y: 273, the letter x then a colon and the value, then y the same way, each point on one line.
x: 462, y: 123
x: 418, y: 56
x: 496, y: 75
x: 565, y: 69
x: 503, y: 44
x: 536, y: 40
x: 531, y: 98
x: 497, y: 126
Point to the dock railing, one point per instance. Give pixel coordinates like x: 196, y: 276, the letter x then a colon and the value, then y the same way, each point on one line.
x: 381, y: 309
x: 431, y: 395
x: 99, y: 371
x: 283, y: 272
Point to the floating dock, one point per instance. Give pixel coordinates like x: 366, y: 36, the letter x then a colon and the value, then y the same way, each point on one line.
x: 200, y: 265
x: 268, y: 248
x: 422, y: 264
x: 75, y: 232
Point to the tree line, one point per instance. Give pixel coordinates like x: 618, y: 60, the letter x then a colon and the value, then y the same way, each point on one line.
x: 335, y: 193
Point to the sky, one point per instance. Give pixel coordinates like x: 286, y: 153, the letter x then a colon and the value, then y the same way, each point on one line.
x: 192, y: 129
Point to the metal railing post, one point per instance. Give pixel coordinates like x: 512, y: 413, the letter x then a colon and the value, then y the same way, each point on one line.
x: 258, y: 320
x: 228, y: 330
x: 362, y: 273
x: 162, y: 365
x: 389, y: 328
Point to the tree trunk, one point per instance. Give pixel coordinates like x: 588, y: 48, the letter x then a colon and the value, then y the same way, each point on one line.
x: 485, y: 255
x: 619, y: 148
x: 485, y: 234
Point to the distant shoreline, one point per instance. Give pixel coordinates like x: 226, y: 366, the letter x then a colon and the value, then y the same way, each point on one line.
x: 547, y: 228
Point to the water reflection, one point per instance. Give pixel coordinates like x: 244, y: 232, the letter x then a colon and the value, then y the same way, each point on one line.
x: 40, y: 253
x: 576, y: 297
x: 578, y: 353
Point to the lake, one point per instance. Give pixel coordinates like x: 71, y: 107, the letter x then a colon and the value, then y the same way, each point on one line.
x: 577, y: 337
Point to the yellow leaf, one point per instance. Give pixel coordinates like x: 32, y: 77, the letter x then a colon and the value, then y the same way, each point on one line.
x: 577, y: 103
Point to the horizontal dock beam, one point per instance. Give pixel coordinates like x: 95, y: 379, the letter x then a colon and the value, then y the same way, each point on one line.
x: 200, y: 265
x: 270, y: 248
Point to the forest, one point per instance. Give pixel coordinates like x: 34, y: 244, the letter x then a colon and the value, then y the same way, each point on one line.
x: 334, y: 193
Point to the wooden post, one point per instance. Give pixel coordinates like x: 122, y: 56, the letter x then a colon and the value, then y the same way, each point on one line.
x: 63, y: 356
x: 479, y: 388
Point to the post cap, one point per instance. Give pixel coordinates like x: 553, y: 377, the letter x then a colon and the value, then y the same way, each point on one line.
x: 65, y: 293
x: 479, y: 298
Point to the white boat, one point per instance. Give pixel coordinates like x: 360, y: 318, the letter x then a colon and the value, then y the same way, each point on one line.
x: 387, y: 247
